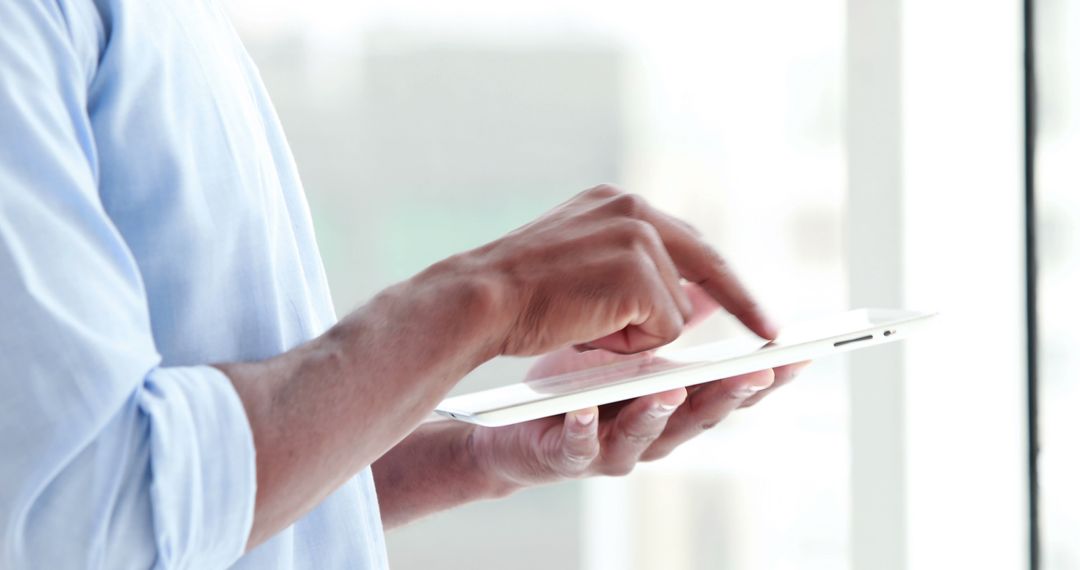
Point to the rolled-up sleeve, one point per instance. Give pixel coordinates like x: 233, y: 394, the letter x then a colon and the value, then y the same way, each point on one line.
x: 107, y: 458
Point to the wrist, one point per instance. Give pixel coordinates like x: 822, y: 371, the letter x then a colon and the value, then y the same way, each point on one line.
x: 481, y: 461
x: 479, y: 294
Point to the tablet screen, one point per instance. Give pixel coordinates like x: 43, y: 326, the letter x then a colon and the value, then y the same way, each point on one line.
x: 586, y: 371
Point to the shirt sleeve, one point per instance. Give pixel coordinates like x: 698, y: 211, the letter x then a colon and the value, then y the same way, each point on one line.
x: 107, y: 458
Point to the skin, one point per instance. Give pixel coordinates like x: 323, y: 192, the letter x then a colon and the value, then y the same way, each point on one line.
x: 445, y: 464
x: 604, y: 271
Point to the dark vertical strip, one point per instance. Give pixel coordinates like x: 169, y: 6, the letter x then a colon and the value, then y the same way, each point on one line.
x: 1031, y: 267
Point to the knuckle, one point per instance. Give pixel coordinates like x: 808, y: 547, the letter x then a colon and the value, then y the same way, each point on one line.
x: 673, y: 324
x: 708, y: 425
x: 580, y: 456
x: 603, y: 191
x: 627, y: 204
x: 573, y: 466
x: 668, y: 322
x: 635, y: 232
x: 640, y: 438
x: 569, y: 470
x: 736, y: 395
x: 718, y: 261
x: 667, y: 331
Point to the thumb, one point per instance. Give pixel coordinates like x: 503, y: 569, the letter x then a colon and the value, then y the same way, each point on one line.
x: 579, y: 444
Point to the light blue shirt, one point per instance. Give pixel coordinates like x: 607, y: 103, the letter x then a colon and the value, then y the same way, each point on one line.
x: 151, y: 223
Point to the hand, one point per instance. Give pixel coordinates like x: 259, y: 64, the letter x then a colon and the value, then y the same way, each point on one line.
x: 611, y: 440
x: 572, y: 359
x: 604, y: 271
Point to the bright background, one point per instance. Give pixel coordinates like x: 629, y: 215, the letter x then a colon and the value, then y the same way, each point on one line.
x: 1058, y: 195
x: 423, y: 128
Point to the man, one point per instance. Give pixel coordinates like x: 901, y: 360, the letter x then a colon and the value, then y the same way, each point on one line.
x: 176, y: 392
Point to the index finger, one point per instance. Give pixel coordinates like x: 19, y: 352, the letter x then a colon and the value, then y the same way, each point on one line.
x: 699, y: 263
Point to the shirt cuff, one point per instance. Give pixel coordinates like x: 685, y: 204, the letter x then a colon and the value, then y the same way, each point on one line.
x: 202, y: 467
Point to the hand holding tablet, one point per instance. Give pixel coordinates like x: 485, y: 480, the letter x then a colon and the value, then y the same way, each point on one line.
x: 600, y: 377
x: 607, y: 271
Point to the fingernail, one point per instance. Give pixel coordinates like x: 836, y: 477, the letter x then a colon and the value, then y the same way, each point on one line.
x: 759, y: 382
x: 660, y: 409
x: 747, y: 391
x: 585, y: 419
x: 771, y: 324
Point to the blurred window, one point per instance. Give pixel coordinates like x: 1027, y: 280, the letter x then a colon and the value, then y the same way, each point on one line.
x: 1057, y: 191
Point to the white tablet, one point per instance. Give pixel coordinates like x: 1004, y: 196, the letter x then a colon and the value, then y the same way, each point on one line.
x: 613, y: 378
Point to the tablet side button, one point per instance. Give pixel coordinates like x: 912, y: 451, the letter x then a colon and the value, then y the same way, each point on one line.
x: 849, y: 341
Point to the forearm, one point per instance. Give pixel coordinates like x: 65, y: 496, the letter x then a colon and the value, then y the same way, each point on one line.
x: 432, y: 470
x: 323, y: 411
